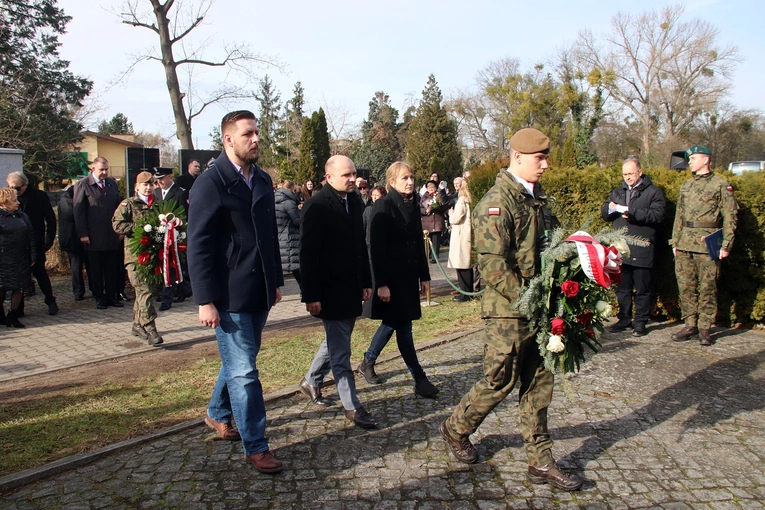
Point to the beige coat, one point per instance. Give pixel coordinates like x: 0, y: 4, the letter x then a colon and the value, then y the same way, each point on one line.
x: 461, y: 239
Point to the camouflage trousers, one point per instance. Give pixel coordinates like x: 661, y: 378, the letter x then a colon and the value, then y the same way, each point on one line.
x: 144, y: 312
x: 697, y: 283
x: 502, y: 368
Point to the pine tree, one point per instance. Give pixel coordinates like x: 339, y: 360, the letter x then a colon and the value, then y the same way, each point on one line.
x: 216, y: 140
x: 118, y: 125
x: 432, y: 138
x: 269, y: 123
x: 380, y: 144
x: 314, y: 147
x: 293, y: 131
x: 38, y: 93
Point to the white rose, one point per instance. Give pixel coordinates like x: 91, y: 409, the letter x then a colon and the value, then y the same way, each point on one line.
x: 555, y: 344
x: 147, y: 228
x: 183, y: 236
x: 161, y: 229
x: 603, y: 308
x: 622, y: 247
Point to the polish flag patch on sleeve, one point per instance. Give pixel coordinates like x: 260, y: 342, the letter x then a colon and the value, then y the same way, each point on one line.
x: 494, y: 211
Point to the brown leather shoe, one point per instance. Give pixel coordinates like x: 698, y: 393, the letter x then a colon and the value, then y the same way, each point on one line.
x: 225, y: 431
x: 686, y: 333
x: 463, y: 449
x: 153, y: 337
x: 361, y: 418
x: 705, y: 338
x: 313, y: 393
x: 552, y: 474
x: 265, y: 462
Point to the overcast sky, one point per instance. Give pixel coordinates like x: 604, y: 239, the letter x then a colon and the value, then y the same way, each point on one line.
x: 343, y: 51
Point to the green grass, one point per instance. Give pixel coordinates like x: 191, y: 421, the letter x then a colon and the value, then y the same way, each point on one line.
x: 39, y: 430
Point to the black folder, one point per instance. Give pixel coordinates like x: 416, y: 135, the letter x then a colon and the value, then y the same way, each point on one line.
x: 714, y: 243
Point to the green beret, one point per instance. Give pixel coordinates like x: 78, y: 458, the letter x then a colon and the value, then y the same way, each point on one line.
x: 144, y: 177
x: 697, y: 149
x: 529, y: 141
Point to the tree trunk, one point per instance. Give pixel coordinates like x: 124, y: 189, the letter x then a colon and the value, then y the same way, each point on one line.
x: 182, y: 125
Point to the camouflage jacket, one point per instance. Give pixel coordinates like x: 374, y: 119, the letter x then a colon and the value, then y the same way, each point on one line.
x: 127, y: 213
x: 705, y: 204
x: 506, y: 225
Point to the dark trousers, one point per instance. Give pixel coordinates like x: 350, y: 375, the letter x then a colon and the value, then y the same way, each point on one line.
x: 638, y: 278
x: 76, y: 260
x: 465, y: 279
x: 435, y: 238
x: 182, y: 289
x: 104, y: 270
x: 41, y: 275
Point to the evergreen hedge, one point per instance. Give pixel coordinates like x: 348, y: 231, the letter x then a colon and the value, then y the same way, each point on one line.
x: 577, y: 196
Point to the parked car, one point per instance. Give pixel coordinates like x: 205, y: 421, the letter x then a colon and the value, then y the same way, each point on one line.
x: 739, y: 167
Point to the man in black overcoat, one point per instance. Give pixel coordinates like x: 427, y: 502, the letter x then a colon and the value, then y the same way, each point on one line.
x: 36, y: 205
x: 96, y: 197
x: 639, y: 205
x: 334, y: 267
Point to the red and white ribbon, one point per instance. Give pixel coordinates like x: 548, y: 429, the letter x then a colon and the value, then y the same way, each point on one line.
x: 170, y: 257
x: 601, y: 264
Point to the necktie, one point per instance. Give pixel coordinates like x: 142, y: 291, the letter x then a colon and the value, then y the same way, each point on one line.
x: 345, y: 203
x: 102, y: 186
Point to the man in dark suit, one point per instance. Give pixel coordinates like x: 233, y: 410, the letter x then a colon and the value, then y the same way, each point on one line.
x: 236, y: 273
x: 334, y: 267
x: 96, y: 197
x: 36, y: 205
x: 194, y: 170
x: 169, y: 190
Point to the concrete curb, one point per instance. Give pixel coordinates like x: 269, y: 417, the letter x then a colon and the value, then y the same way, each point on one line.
x: 15, y: 480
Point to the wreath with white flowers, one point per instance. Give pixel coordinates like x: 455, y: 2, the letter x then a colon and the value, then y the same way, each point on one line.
x: 159, y: 242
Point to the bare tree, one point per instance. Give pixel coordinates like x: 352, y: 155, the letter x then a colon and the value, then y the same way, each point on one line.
x: 173, y: 30
x: 168, y: 151
x: 660, y: 69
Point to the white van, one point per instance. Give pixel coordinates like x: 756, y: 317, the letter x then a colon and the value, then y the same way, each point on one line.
x: 739, y: 167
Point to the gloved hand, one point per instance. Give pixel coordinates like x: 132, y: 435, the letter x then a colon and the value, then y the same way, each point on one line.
x: 543, y: 242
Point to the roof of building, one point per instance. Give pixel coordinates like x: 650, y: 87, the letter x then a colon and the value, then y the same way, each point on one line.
x: 113, y: 139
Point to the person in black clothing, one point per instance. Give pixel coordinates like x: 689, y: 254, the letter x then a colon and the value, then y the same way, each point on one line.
x: 36, y: 205
x: 70, y: 243
x: 638, y: 205
x: 186, y: 181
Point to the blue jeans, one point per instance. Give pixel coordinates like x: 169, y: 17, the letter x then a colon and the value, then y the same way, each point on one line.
x: 405, y: 342
x: 335, y: 353
x: 238, y: 390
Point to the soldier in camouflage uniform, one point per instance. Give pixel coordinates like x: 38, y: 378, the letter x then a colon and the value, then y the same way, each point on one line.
x: 509, y: 226
x: 128, y: 212
x: 705, y: 204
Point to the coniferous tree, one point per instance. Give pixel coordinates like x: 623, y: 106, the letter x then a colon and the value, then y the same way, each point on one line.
x: 314, y: 147
x: 216, y: 140
x: 118, y: 125
x: 269, y: 123
x: 293, y: 130
x: 38, y: 93
x: 431, y: 144
x: 323, y: 151
x: 380, y: 145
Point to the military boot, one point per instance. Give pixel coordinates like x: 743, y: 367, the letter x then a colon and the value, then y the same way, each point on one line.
x: 686, y: 333
x: 705, y: 338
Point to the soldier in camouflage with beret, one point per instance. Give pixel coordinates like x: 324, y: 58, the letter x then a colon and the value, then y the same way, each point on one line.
x: 509, y: 226
x: 128, y: 212
x: 705, y: 204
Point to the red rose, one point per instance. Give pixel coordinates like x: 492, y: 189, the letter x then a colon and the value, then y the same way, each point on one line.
x: 143, y: 258
x: 585, y: 318
x: 158, y: 269
x: 558, y: 326
x: 161, y: 254
x: 181, y: 247
x: 145, y: 241
x: 590, y: 332
x: 570, y: 288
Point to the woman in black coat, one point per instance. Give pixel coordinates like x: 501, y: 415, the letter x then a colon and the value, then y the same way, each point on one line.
x: 288, y: 225
x: 17, y: 253
x: 401, y: 273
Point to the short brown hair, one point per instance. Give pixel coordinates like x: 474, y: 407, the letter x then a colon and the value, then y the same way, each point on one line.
x: 232, y: 118
x: 393, y: 171
x: 100, y: 159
